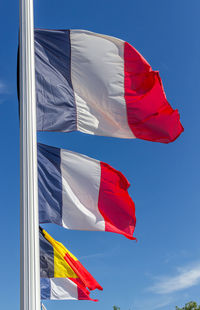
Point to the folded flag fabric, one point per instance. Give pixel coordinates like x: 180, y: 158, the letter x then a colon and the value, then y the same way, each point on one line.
x: 58, y: 262
x: 62, y: 288
x: 99, y: 85
x: 81, y: 193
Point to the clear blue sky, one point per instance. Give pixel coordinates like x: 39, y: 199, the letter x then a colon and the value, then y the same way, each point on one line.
x: 163, y: 269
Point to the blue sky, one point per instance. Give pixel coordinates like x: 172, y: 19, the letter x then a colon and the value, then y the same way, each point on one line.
x: 162, y: 269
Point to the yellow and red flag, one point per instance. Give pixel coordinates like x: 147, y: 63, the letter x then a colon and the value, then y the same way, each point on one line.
x: 58, y: 262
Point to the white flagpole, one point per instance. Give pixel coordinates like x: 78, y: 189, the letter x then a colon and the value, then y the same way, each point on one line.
x: 29, y: 227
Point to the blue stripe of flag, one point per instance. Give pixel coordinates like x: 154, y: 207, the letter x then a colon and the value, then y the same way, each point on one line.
x: 45, y: 288
x: 54, y: 91
x: 49, y: 185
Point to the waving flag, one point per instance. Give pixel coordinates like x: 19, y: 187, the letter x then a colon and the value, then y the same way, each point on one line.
x: 63, y: 288
x: 57, y: 262
x: 78, y: 192
x: 99, y: 85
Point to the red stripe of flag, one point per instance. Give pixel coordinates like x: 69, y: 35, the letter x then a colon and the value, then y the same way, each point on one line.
x: 150, y: 116
x: 83, y: 292
x: 82, y: 273
x: 115, y: 204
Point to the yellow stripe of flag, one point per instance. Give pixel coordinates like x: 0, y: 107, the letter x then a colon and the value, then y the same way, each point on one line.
x: 61, y: 267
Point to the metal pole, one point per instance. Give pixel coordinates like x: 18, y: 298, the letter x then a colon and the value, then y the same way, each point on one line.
x: 29, y: 226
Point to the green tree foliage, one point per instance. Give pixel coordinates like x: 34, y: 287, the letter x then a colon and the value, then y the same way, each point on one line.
x: 116, y: 308
x: 192, y: 305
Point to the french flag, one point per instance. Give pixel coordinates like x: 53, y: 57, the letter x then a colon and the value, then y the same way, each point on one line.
x: 99, y: 85
x: 63, y: 289
x: 81, y: 193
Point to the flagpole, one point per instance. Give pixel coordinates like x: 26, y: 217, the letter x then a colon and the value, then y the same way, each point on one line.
x: 29, y: 227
